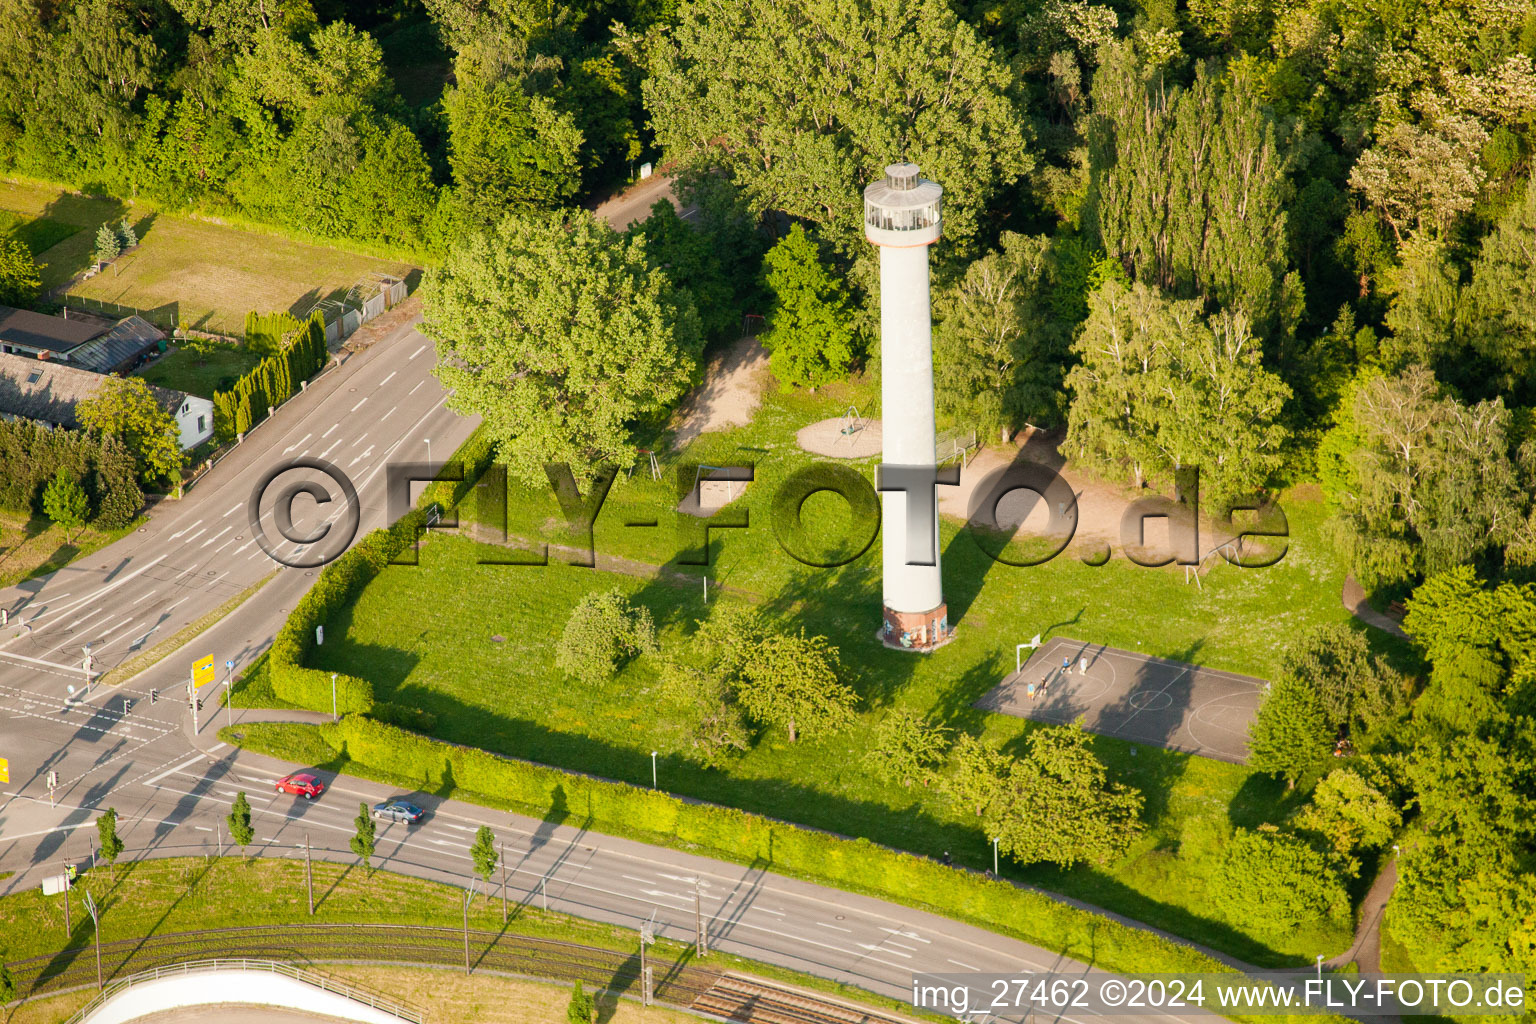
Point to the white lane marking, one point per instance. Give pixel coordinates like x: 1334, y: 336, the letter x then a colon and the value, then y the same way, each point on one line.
x: 898, y: 945
x: 146, y: 597
x: 765, y: 910
x: 328, y: 450
x: 171, y: 771
x: 836, y: 928
x: 413, y: 390
x: 904, y: 934
x: 961, y: 963
x: 179, y: 533
x: 392, y: 373
x: 232, y: 511
x: 882, y: 949
x: 329, y: 432
x: 359, y: 405
x: 196, y: 535
x: 71, y: 669
x: 218, y: 746
x: 668, y: 895
x: 216, y: 536
x: 103, y: 592
x: 242, y: 547
x: 367, y: 452
x: 632, y: 878
x: 295, y: 444
x: 418, y: 352
x: 202, y: 828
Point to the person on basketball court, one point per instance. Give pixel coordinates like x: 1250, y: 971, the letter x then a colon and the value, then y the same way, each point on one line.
x: 1082, y: 666
x: 1030, y: 689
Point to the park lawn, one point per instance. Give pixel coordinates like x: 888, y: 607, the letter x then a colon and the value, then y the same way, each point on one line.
x: 205, y: 273
x: 38, y: 233
x: 31, y: 545
x: 182, y: 369
x: 424, y: 636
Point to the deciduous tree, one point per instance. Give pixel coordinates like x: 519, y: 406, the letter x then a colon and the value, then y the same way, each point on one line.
x: 794, y: 681
x: 907, y: 747
x: 127, y: 409
x: 806, y: 102
x: 484, y: 853
x: 604, y: 628
x: 560, y: 334
x: 1335, y: 662
x: 810, y: 335
x: 1057, y: 804
x: 1290, y: 735
x: 19, y: 280
x: 64, y: 501
x: 241, y: 832
x: 998, y: 352
x: 362, y: 841
x: 1275, y: 883
x: 109, y: 843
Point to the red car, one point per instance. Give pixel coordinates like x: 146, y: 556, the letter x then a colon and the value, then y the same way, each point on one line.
x: 306, y: 786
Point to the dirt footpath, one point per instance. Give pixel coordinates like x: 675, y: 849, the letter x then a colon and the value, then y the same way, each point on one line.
x: 730, y: 394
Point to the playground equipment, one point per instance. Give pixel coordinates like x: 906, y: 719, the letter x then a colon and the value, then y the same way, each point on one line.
x: 1231, y: 549
x: 852, y: 424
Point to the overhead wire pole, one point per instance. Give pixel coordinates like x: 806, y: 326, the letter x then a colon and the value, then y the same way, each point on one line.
x: 701, y: 943
x: 467, y: 894
x: 501, y: 850
x: 309, y: 879
x: 90, y: 905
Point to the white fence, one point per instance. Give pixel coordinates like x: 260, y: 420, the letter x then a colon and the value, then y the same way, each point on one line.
x: 258, y: 982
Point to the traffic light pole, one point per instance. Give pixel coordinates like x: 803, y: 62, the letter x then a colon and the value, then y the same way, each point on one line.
x: 192, y: 701
x: 309, y: 879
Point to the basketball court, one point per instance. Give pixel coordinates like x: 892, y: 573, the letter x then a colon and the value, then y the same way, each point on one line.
x: 1133, y: 697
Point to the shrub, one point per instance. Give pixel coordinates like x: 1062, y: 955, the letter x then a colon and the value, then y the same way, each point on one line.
x: 270, y: 382
x: 603, y: 629
x: 1275, y: 882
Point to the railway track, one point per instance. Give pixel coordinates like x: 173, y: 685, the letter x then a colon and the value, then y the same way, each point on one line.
x: 685, y: 985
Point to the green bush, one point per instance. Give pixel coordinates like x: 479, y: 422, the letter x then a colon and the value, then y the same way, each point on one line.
x: 338, y: 584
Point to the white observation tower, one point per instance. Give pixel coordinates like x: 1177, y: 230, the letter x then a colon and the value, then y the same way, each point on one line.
x: 901, y: 216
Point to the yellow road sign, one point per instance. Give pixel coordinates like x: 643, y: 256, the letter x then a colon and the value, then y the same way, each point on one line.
x: 5, y: 769
x: 202, y: 671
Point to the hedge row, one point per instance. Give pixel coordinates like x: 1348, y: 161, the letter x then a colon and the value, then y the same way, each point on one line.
x: 31, y: 454
x: 270, y: 382
x: 338, y: 584
x: 857, y: 864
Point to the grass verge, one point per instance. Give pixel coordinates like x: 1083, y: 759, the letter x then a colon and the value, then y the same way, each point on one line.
x: 31, y: 546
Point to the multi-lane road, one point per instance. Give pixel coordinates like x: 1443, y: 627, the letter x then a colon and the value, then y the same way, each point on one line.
x: 172, y: 785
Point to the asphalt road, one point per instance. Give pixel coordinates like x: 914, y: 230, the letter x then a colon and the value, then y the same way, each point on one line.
x: 172, y: 787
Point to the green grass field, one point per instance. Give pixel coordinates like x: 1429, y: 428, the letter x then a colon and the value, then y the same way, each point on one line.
x: 31, y: 546
x: 423, y: 635
x: 185, y: 370
x: 206, y: 273
x: 38, y: 233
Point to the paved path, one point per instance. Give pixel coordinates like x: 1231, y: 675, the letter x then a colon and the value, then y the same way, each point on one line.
x: 1366, y: 949
x: 1354, y: 599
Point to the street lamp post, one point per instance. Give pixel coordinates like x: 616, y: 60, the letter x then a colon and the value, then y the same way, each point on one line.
x: 229, y: 711
x: 1319, y: 967
x: 429, y: 454
x: 994, y: 855
x: 334, y: 715
x: 653, y: 769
